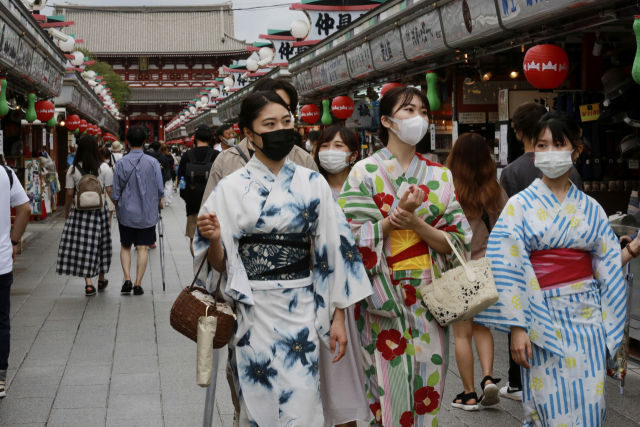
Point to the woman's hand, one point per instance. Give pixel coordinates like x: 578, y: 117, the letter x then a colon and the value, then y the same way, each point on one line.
x: 209, y: 226
x: 402, y: 219
x: 520, y: 347
x: 338, y: 334
x: 412, y: 198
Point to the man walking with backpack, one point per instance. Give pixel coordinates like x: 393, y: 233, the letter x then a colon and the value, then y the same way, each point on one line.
x: 12, y: 195
x: 138, y: 189
x: 194, y: 168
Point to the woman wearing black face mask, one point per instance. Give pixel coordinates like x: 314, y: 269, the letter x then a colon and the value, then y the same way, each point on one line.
x: 256, y: 228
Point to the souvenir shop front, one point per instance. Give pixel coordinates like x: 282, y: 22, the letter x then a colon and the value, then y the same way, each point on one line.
x: 31, y: 71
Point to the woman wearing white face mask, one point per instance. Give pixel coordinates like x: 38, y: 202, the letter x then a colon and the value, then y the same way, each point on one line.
x: 562, y: 295
x: 398, y: 203
x: 342, y: 383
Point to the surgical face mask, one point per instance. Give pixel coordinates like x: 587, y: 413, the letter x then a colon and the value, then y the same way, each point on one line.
x: 277, y: 144
x: 309, y: 146
x: 230, y: 142
x: 411, y: 130
x: 333, y: 161
x: 553, y: 163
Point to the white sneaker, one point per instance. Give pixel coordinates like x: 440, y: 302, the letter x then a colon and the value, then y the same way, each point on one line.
x: 236, y: 419
x: 511, y: 393
x: 3, y: 392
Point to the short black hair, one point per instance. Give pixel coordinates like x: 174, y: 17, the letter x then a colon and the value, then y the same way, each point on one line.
x: 136, y: 136
x: 253, y: 105
x: 526, y: 117
x: 398, y: 95
x: 155, y: 146
x: 562, y: 126
x: 272, y: 85
x: 223, y: 128
x: 314, y: 135
x: 203, y: 134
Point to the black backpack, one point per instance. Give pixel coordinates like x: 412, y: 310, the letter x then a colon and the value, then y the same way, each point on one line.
x: 10, y: 174
x: 198, y: 172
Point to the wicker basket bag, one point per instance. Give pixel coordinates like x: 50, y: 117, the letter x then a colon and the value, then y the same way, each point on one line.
x: 187, y: 309
x: 461, y: 293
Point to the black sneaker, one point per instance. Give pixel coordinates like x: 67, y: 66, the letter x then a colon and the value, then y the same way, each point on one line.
x: 137, y: 290
x: 3, y: 393
x: 126, y: 287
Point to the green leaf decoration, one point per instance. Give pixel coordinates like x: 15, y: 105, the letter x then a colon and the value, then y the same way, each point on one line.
x: 417, y: 382
x: 347, y: 187
x: 441, y: 207
x: 413, y: 180
x: 433, y: 185
x: 433, y: 198
x: 364, y: 190
x: 369, y: 395
x: 415, y: 282
x: 448, y: 218
x: 429, y: 316
x: 419, y: 312
x: 379, y: 185
x: 364, y: 304
x: 434, y: 210
x: 375, y: 327
x: 434, y: 423
x: 433, y: 379
x: 415, y: 333
x: 411, y: 351
x: 370, y: 348
x: 342, y: 203
x: 407, y: 334
x: 360, y: 324
x: 373, y: 370
x: 429, y: 219
x: 388, y: 306
x: 444, y: 177
x: 371, y: 168
x: 422, y: 212
x: 380, y: 391
x: 415, y: 274
x: 395, y: 362
x: 400, y: 180
x: 426, y: 338
x: 435, y: 411
x: 436, y: 359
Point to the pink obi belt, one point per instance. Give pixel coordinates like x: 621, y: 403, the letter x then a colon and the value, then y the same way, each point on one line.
x: 556, y: 266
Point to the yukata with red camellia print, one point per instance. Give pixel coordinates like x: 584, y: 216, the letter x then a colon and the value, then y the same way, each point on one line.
x: 404, y: 348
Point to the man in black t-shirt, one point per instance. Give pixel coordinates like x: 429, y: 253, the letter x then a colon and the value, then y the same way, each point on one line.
x: 195, y: 179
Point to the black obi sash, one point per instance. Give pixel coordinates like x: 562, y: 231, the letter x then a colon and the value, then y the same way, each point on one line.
x: 276, y: 256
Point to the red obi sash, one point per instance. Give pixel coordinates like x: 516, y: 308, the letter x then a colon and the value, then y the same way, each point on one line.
x: 555, y: 266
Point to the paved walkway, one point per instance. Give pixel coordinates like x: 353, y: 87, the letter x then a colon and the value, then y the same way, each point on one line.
x: 113, y: 360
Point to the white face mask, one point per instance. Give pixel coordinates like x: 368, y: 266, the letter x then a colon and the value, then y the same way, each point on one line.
x: 553, y: 163
x: 309, y: 146
x: 411, y: 130
x: 229, y: 142
x: 333, y: 161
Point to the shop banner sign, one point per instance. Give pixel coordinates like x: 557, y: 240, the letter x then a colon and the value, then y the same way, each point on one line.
x: 362, y: 115
x: 305, y: 83
x: 319, y: 77
x: 503, y: 105
x: 284, y: 50
x: 589, y: 112
x: 337, y: 71
x: 1, y: 143
x: 504, y: 145
x: 516, y: 13
x: 422, y: 36
x: 387, y: 51
x: 359, y: 61
x: 472, y: 118
x: 432, y: 131
x: 325, y: 23
x: 24, y: 58
x: 32, y: 185
x: 9, y: 46
x: 51, y: 141
x: 37, y: 68
x: 468, y: 21
x: 493, y: 117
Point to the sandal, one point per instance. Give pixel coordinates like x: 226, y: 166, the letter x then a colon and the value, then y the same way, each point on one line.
x: 89, y: 290
x: 490, y: 392
x: 102, y: 285
x: 464, y: 398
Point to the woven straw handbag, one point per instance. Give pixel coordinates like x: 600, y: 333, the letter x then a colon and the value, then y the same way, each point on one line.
x: 187, y: 309
x: 461, y: 293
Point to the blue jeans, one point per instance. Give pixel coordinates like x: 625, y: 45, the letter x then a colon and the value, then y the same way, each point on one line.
x: 5, y: 329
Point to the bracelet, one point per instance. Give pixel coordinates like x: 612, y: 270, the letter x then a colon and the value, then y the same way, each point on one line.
x: 14, y: 243
x: 633, y: 254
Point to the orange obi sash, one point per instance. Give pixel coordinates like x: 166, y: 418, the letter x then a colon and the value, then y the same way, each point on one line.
x: 408, y: 251
x: 555, y: 266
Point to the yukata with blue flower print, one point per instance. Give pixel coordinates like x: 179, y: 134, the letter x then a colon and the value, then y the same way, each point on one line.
x: 283, y: 313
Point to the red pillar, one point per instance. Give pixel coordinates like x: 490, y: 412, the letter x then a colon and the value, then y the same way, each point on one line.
x: 591, y: 73
x: 161, y: 130
x: 126, y: 129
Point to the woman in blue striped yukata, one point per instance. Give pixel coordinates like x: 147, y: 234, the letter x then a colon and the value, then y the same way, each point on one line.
x: 556, y: 263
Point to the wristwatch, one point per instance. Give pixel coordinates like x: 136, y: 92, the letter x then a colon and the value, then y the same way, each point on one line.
x: 14, y: 243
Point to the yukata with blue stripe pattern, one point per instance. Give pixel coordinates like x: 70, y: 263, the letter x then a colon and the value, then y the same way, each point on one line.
x: 282, y: 318
x: 571, y: 326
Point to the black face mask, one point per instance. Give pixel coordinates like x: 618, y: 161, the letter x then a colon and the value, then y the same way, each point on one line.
x: 277, y: 144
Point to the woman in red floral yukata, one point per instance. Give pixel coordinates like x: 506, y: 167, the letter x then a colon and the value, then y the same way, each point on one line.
x: 396, y: 202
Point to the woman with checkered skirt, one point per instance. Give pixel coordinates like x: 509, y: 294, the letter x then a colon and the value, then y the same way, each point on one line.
x: 85, y: 248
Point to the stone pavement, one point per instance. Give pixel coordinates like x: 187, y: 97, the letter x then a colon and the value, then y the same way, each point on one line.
x: 113, y: 360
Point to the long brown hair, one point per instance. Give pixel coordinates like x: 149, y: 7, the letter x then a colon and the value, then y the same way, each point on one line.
x: 348, y: 137
x: 474, y: 175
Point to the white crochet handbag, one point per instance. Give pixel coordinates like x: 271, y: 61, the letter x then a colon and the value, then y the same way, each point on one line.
x: 461, y: 293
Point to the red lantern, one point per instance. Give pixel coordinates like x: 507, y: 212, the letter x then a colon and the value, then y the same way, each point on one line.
x: 342, y: 107
x: 83, y: 126
x: 310, y: 113
x: 45, y: 110
x: 73, y: 122
x: 389, y: 86
x: 546, y: 66
x: 236, y: 129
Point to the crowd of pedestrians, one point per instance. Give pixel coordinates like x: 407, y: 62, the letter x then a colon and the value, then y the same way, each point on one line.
x: 326, y: 254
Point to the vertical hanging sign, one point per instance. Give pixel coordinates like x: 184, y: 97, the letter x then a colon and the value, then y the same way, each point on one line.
x: 1, y: 142
x: 432, y: 130
x: 44, y: 138
x: 51, y: 141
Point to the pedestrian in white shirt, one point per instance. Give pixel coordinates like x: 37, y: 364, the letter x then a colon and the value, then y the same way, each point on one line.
x: 116, y: 152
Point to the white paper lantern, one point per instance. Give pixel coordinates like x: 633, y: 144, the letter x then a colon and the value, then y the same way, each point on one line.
x: 299, y: 29
x: 204, y: 100
x: 90, y: 75
x: 92, y: 82
x: 103, y: 92
x: 98, y: 89
x: 252, y: 64
x: 265, y: 53
x: 107, y: 98
x: 199, y: 104
x: 78, y: 58
x: 215, y: 92
x: 192, y: 109
x: 228, y: 81
x: 68, y: 45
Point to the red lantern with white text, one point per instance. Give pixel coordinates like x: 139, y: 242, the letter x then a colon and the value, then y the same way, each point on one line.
x: 342, y: 107
x: 45, y: 110
x: 73, y: 122
x: 310, y: 113
x: 83, y: 126
x: 389, y: 86
x: 546, y: 66
x: 236, y: 129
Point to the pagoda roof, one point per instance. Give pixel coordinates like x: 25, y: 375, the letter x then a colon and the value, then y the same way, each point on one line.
x: 152, y: 30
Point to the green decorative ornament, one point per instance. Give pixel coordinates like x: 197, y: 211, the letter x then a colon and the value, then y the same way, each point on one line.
x: 76, y: 131
x: 52, y: 122
x: 31, y: 115
x: 432, y: 93
x: 635, y: 71
x: 4, y: 107
x: 326, y: 112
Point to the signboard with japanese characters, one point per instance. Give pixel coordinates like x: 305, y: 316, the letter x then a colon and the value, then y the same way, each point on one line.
x: 386, y: 50
x: 359, y: 61
x: 589, y: 112
x: 464, y: 22
x: 325, y: 23
x: 9, y: 45
x: 472, y: 118
x: 24, y: 58
x: 337, y: 71
x: 284, y: 50
x: 305, y: 83
x: 362, y: 115
x: 515, y: 13
x: 422, y: 36
x: 319, y: 76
